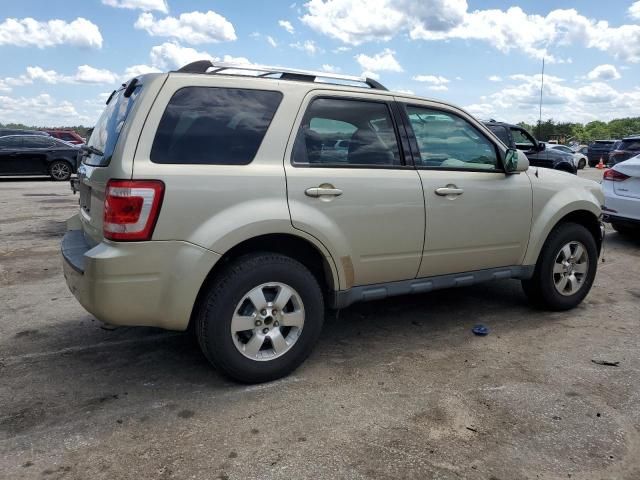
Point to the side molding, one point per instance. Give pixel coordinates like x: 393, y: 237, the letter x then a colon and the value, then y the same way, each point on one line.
x: 344, y: 298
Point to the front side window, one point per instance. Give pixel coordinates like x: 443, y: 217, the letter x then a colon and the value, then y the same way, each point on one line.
x: 344, y: 132
x: 214, y: 126
x: 448, y: 141
x: 36, y: 141
x: 522, y: 139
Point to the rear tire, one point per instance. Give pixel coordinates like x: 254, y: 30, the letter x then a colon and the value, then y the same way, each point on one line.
x: 60, y: 171
x: 260, y: 318
x: 565, y: 270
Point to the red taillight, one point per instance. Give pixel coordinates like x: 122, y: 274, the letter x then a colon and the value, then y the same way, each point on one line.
x: 131, y: 209
x: 614, y: 176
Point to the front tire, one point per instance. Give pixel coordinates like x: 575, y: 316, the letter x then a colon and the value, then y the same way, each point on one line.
x: 581, y: 164
x: 60, y: 171
x: 565, y: 270
x: 260, y: 318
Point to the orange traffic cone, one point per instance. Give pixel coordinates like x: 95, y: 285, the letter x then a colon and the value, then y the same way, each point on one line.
x: 600, y: 164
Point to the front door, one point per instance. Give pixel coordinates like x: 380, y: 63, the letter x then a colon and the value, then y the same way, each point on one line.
x: 477, y: 217
x: 349, y: 187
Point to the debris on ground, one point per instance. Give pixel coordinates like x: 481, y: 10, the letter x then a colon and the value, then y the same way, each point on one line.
x: 606, y: 363
x: 480, y: 330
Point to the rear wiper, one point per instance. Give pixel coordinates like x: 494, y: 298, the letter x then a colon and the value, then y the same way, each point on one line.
x: 89, y: 149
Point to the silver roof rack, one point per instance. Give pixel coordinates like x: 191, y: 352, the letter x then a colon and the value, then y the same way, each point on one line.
x: 206, y: 66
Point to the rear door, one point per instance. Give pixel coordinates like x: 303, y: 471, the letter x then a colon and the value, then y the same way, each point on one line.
x: 477, y: 216
x: 362, y: 199
x: 10, y: 163
x: 35, y: 153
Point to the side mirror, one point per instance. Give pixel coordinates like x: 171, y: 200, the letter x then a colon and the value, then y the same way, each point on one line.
x: 541, y: 146
x: 515, y: 161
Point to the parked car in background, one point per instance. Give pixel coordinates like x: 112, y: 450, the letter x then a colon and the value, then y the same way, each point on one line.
x: 621, y: 187
x: 37, y: 155
x: 538, y: 154
x: 579, y: 160
x: 67, y: 135
x: 623, y: 150
x: 599, y: 150
x: 18, y: 131
x: 583, y: 149
x: 226, y: 202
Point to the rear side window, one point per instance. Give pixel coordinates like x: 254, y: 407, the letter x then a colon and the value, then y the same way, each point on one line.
x: 214, y: 126
x: 632, y: 145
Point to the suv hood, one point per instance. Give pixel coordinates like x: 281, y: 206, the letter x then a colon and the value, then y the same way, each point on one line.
x: 556, y: 181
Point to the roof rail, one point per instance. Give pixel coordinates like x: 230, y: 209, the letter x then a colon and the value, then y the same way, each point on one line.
x: 206, y: 66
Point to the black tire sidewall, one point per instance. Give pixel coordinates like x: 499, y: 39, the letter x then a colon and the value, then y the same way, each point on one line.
x: 562, y: 235
x: 215, y: 319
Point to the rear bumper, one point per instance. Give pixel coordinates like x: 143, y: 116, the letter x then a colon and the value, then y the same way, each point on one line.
x: 139, y: 283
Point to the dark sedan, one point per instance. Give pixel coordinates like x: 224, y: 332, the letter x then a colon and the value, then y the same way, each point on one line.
x: 37, y: 155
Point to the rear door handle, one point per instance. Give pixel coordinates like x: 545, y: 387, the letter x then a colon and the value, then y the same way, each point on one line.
x: 320, y: 191
x: 444, y: 191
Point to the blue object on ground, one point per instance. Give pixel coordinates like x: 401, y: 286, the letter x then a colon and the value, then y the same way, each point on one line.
x: 480, y: 330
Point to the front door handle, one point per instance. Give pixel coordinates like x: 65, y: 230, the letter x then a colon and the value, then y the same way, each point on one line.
x: 449, y: 190
x: 320, y: 191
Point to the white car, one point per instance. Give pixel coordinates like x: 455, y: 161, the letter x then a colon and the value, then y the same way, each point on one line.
x: 621, y: 187
x: 579, y: 159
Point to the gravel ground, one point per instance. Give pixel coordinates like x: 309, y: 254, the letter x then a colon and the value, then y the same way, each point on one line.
x: 398, y: 388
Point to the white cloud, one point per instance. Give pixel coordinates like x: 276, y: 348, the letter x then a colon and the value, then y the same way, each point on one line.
x: 286, y: 24
x: 308, y: 46
x: 634, y: 10
x: 146, y: 5
x: 495, y: 78
x: 84, y: 74
x: 370, y: 74
x: 383, y: 61
x: 271, y: 41
x: 193, y: 27
x: 172, y: 55
x: 432, y: 79
x: 88, y: 74
x: 28, y: 32
x: 136, y: 70
x: 41, y: 110
x: 604, y: 72
x: 330, y: 68
x: 438, y: 88
x: 590, y: 100
x: 358, y: 21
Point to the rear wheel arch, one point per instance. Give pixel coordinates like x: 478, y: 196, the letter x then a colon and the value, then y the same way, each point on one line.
x: 290, y: 245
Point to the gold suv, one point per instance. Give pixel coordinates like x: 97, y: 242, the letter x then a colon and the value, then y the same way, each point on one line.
x: 244, y: 200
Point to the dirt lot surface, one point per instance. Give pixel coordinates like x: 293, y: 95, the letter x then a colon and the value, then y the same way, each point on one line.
x: 395, y: 389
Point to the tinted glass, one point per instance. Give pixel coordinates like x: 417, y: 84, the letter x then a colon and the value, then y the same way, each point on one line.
x: 522, y: 139
x: 10, y: 142
x: 336, y: 132
x: 107, y: 130
x: 501, y: 133
x: 632, y: 145
x: 448, y: 141
x: 215, y: 126
x: 36, y: 141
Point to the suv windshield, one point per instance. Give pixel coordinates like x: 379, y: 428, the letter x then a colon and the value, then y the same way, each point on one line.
x: 107, y: 130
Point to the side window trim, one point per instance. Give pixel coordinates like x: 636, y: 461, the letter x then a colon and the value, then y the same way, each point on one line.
x: 413, y: 142
x: 395, y: 120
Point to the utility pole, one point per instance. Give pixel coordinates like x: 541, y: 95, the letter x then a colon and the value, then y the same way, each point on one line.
x: 541, y: 87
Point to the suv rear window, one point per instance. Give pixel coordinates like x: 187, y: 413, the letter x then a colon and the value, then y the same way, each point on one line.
x: 214, y: 126
x: 107, y: 130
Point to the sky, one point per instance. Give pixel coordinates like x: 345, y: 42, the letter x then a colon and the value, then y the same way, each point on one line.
x: 59, y: 59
